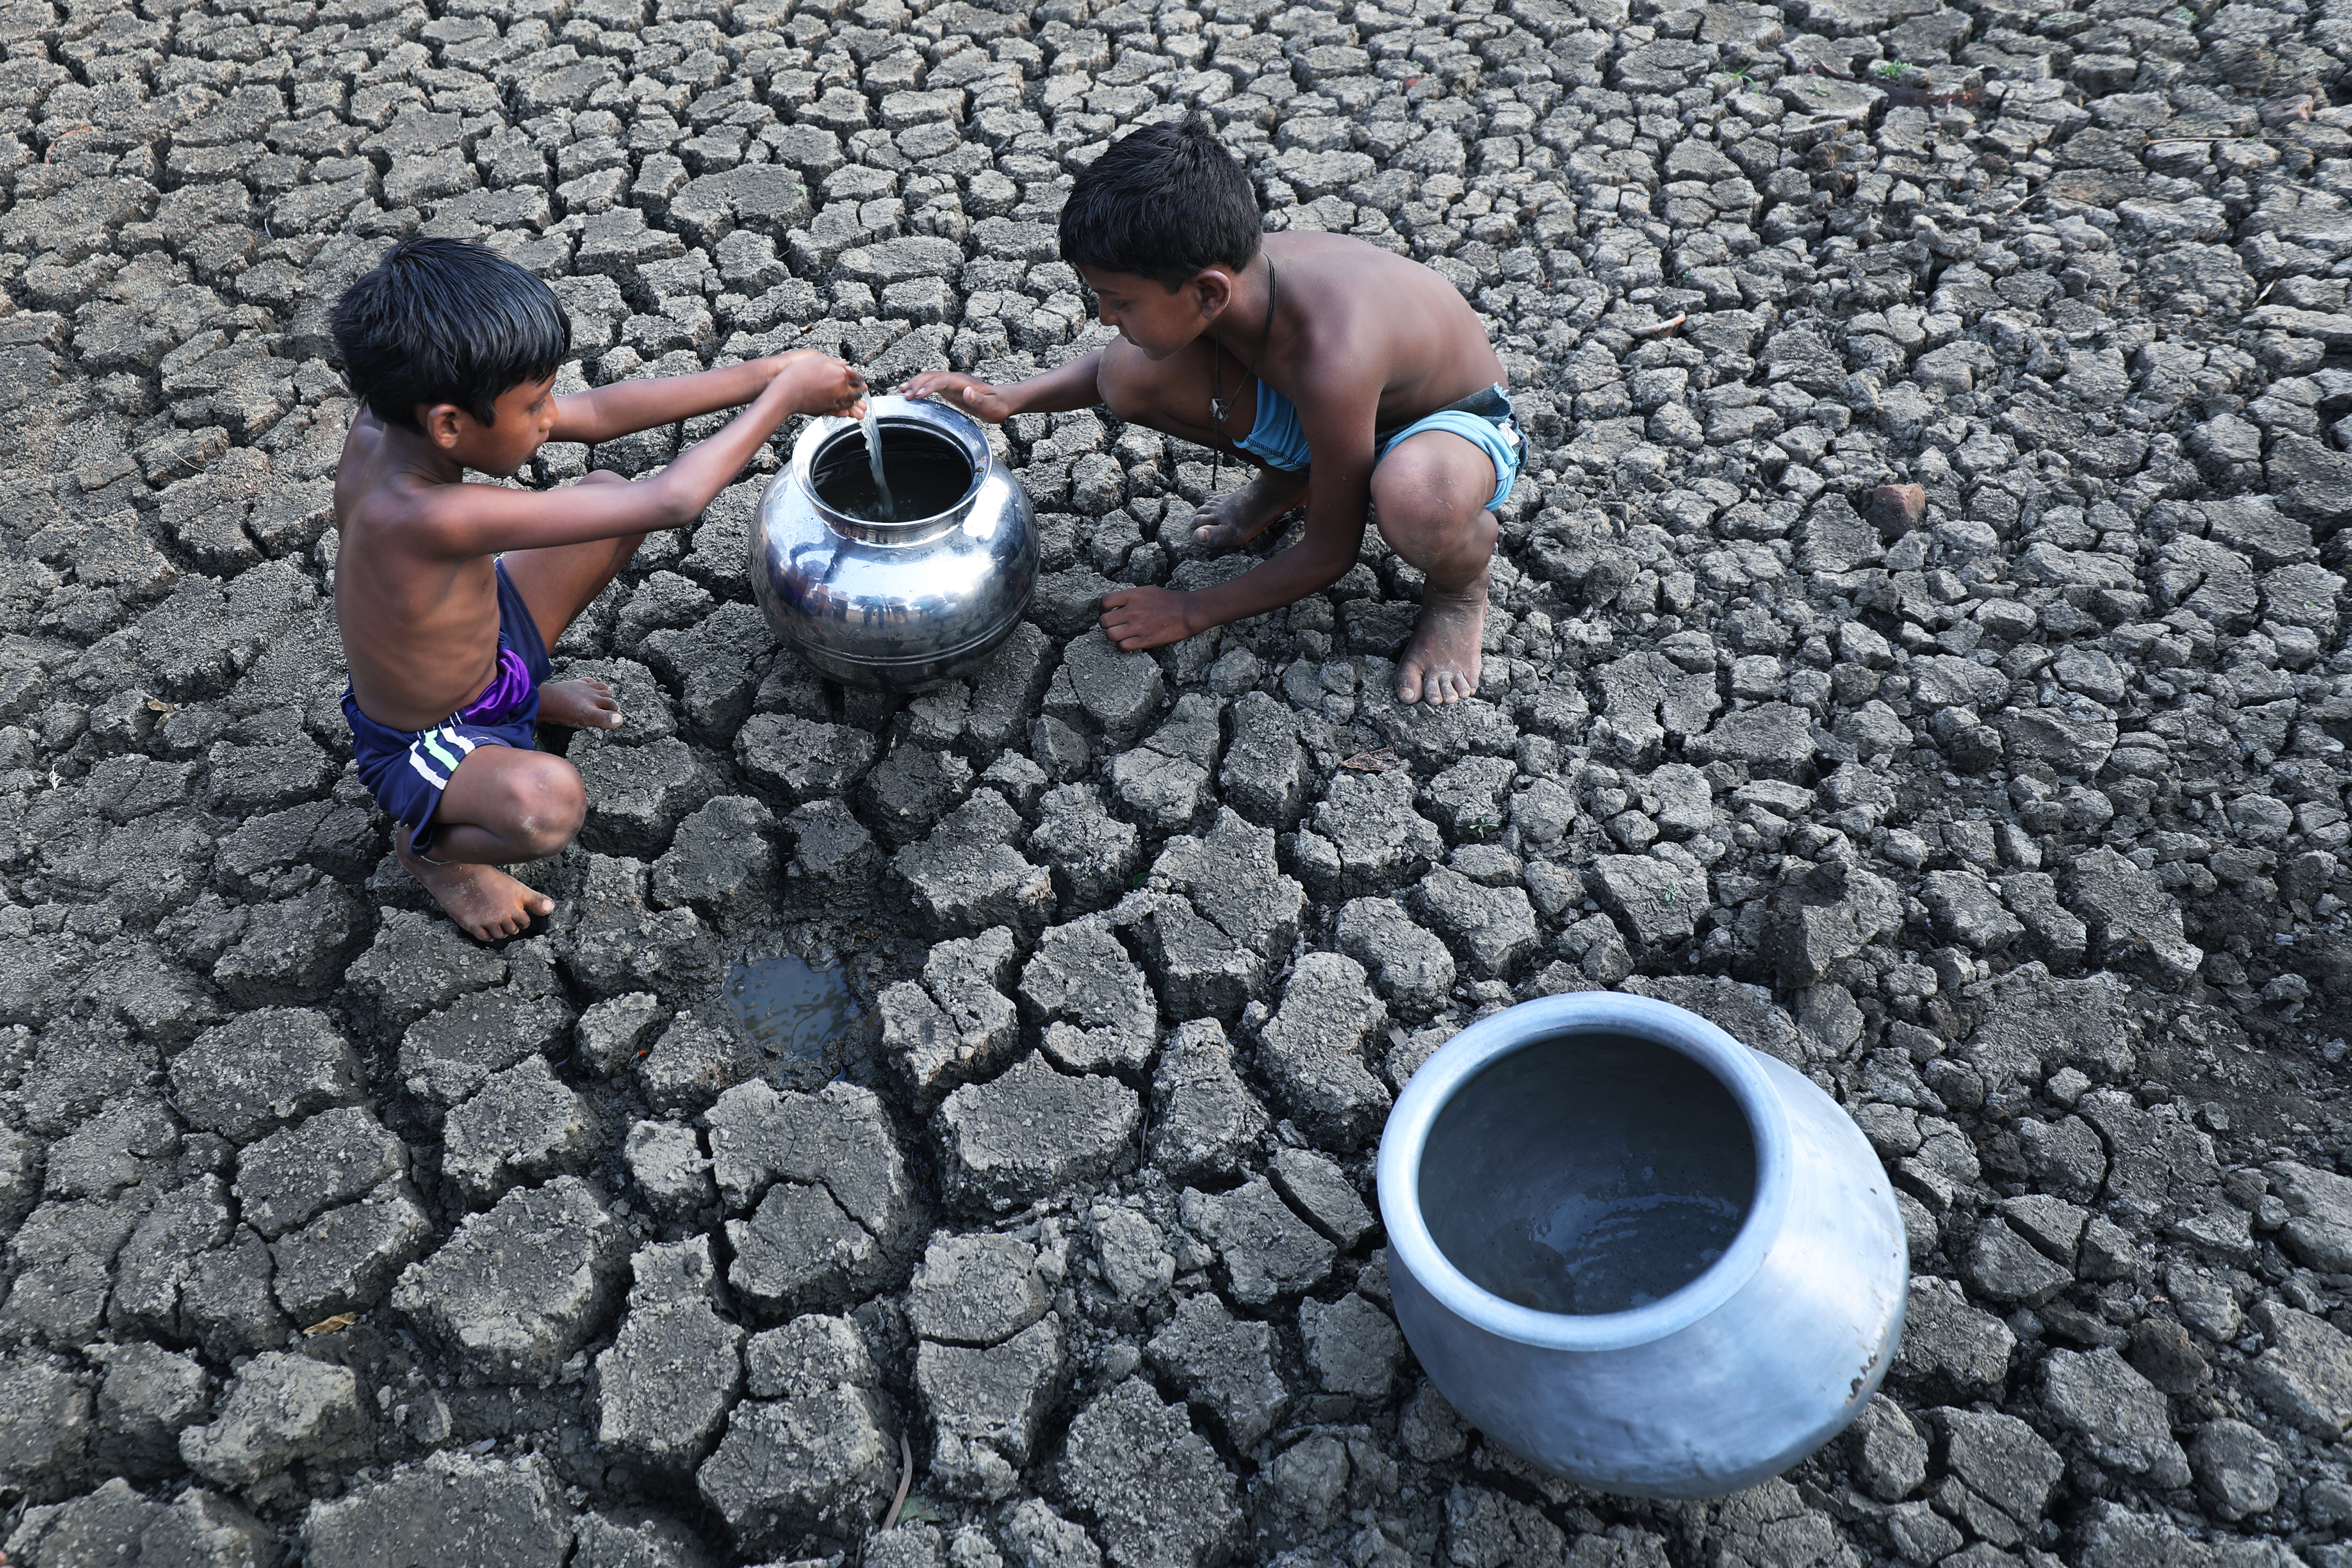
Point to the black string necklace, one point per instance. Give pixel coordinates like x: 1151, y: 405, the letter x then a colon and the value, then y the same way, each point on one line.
x: 1221, y: 408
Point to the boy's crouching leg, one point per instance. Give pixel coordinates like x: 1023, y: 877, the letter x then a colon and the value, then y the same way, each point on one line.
x: 529, y: 802
x: 502, y: 806
x: 1430, y: 497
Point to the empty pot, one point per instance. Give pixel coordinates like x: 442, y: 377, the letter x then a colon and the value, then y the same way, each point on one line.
x: 895, y: 604
x: 1634, y: 1251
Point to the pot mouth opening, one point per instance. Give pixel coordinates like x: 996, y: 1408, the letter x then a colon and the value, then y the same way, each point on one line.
x: 1590, y: 1175
x: 930, y: 475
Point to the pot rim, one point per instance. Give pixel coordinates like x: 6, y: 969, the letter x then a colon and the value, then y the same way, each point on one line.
x: 891, y: 409
x: 1460, y: 1060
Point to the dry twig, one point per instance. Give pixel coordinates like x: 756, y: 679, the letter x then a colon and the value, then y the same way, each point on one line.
x: 906, y: 1481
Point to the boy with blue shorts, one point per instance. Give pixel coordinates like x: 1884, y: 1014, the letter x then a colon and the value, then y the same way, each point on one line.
x: 1345, y: 374
x: 449, y: 593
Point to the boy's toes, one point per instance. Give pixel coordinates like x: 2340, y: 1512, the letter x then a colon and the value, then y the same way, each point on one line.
x: 515, y: 919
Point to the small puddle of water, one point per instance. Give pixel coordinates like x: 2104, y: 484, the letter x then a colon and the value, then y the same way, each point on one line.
x: 792, y: 1011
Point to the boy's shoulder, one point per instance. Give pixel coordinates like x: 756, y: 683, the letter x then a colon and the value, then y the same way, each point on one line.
x: 1350, y: 275
x: 1315, y: 251
x: 373, y: 491
x: 365, y: 470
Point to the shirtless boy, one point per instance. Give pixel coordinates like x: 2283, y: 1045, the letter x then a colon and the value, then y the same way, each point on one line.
x: 449, y: 593
x: 1283, y: 350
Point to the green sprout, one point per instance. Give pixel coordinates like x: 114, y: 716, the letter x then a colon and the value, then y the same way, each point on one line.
x: 1890, y: 69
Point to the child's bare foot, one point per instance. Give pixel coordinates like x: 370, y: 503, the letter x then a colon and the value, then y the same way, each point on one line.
x: 583, y: 704
x: 1233, y: 519
x: 488, y: 904
x: 1441, y: 664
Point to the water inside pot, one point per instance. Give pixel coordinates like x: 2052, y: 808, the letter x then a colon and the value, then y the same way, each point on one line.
x: 1588, y: 1174
x: 928, y: 473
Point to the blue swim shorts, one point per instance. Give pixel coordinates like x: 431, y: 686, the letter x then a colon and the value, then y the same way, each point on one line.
x: 1484, y: 419
x: 406, y: 770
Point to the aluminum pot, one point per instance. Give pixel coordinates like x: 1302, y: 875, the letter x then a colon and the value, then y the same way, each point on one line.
x: 1634, y: 1251
x: 896, y: 605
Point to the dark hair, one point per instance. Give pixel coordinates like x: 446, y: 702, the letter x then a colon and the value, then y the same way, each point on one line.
x: 1163, y: 203
x: 446, y: 320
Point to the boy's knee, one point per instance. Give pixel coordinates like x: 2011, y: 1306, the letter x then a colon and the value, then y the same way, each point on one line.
x: 546, y: 806
x: 1427, y: 522
x: 1431, y: 509
x: 1433, y: 489
x: 602, y: 476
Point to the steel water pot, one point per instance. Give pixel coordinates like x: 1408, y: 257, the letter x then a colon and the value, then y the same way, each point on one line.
x: 1634, y: 1251
x: 901, y: 605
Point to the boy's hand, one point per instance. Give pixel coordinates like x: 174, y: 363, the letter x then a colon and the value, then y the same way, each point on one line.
x: 816, y: 382
x: 1146, y: 617
x: 969, y: 392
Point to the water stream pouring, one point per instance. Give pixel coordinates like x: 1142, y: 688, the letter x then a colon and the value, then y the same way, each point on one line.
x: 888, y: 505
x: 1634, y: 1252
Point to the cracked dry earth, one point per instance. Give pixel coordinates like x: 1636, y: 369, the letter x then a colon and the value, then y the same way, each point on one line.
x: 2009, y: 806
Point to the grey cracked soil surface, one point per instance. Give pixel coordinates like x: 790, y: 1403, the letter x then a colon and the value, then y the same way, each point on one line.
x: 1917, y: 644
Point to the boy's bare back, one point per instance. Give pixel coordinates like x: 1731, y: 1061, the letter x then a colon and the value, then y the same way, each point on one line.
x: 1376, y: 327
x: 420, y: 628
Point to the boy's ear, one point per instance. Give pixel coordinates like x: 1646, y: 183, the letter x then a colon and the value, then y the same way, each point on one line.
x: 443, y: 422
x: 1211, y: 288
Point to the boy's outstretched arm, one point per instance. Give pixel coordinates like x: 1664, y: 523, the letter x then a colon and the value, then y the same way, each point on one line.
x: 1340, y: 435
x: 478, y: 520
x: 1056, y: 391
x: 623, y: 407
